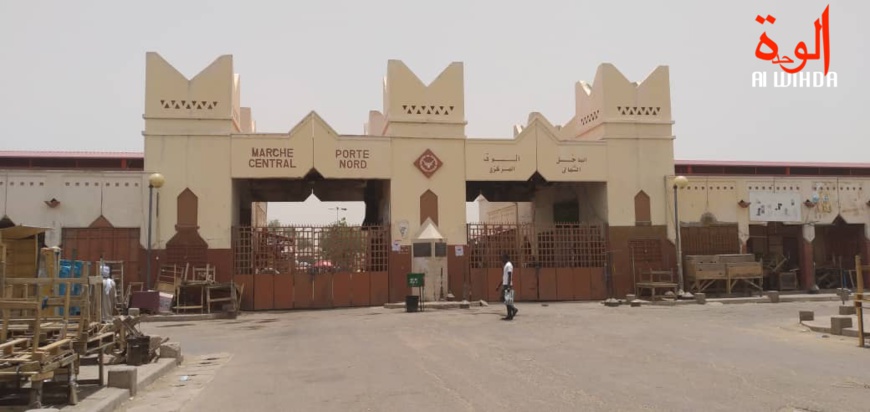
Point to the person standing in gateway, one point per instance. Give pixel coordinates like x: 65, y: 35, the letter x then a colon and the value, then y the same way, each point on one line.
x: 507, y: 289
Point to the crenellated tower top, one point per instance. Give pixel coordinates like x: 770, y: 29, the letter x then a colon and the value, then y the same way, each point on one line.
x: 209, y: 102
x: 612, y: 98
x: 414, y: 109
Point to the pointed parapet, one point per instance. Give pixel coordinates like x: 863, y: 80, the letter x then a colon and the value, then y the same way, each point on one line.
x: 518, y: 128
x: 237, y: 100
x: 655, y: 91
x: 587, y: 106
x: 248, y: 125
x: 376, y: 123
x: 648, y: 100
x: 540, y: 118
x: 171, y: 95
x: 503, y: 159
x: 567, y: 161
x: 408, y: 99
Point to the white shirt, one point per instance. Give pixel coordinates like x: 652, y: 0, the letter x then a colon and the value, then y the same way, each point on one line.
x: 508, y: 272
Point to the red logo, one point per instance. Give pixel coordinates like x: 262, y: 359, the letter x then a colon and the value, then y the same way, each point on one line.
x: 800, y: 51
x: 428, y: 163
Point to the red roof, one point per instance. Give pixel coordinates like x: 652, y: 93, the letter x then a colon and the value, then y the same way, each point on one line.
x: 71, y: 154
x: 742, y: 163
x: 141, y: 155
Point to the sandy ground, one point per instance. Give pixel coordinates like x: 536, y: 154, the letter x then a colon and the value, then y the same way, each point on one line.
x: 560, y: 357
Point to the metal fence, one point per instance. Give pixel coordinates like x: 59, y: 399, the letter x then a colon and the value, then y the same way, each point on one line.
x: 311, y: 249
x: 575, y: 245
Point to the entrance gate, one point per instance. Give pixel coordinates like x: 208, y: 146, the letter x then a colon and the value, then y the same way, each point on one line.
x: 551, y: 263
x: 311, y: 267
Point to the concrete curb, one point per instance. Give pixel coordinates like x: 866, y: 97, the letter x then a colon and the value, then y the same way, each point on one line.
x: 188, y: 318
x: 434, y: 305
x: 847, y: 332
x: 726, y: 301
x: 108, y: 399
x: 823, y: 325
x: 810, y: 298
x: 754, y: 299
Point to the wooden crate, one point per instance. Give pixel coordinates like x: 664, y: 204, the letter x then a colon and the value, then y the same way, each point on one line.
x: 741, y: 258
x: 694, y: 262
x: 709, y: 271
x: 741, y: 270
x: 787, y: 280
x: 702, y: 259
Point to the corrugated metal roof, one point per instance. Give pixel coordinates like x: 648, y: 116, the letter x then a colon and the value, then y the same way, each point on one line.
x: 71, y: 154
x: 22, y: 232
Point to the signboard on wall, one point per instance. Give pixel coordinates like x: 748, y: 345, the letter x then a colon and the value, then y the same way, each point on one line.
x: 270, y: 156
x: 774, y: 206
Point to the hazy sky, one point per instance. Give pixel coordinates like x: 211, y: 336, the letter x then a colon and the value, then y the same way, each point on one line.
x: 73, y: 71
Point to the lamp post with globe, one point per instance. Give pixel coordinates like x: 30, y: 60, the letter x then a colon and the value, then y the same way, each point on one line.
x: 155, y: 181
x: 680, y: 182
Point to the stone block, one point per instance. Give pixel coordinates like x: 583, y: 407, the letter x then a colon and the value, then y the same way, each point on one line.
x: 635, y: 303
x: 172, y: 350
x: 844, y: 294
x: 848, y: 310
x: 155, y: 343
x: 838, y: 323
x: 124, y: 377
x: 701, y: 298
x: 806, y: 315
x: 133, y: 312
x: 773, y: 295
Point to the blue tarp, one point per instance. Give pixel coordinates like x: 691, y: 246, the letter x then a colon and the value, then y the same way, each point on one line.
x: 71, y: 269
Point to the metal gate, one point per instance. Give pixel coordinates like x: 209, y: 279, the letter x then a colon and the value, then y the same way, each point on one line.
x: 554, y: 262
x: 306, y: 267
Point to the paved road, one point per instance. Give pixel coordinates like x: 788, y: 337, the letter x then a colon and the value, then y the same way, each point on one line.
x: 561, y: 357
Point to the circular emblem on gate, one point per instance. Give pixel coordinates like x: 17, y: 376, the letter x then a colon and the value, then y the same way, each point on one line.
x: 428, y: 163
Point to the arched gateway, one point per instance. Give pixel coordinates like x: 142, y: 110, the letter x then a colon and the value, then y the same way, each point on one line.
x: 414, y: 168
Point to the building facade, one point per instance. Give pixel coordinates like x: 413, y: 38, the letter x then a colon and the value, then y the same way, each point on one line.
x: 572, y: 204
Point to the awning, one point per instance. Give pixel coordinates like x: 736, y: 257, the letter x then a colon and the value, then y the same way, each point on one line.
x: 21, y: 232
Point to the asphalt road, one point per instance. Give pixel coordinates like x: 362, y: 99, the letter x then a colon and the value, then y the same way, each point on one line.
x: 561, y: 357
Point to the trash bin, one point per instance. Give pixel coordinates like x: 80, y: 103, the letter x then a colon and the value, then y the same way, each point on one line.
x: 138, y: 350
x: 412, y: 303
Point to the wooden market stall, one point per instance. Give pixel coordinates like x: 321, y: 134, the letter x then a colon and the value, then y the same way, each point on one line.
x: 723, y: 271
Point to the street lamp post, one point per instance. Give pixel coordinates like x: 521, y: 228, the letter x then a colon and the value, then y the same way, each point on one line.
x: 680, y: 182
x: 155, y: 181
x: 337, y: 209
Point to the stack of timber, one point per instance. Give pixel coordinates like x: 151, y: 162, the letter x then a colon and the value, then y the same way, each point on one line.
x: 39, y: 345
x: 51, y: 313
x: 723, y: 272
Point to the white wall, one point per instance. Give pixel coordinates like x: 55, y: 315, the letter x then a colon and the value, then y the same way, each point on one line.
x: 83, y: 197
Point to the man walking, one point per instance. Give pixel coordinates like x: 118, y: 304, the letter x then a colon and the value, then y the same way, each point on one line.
x: 507, y: 289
